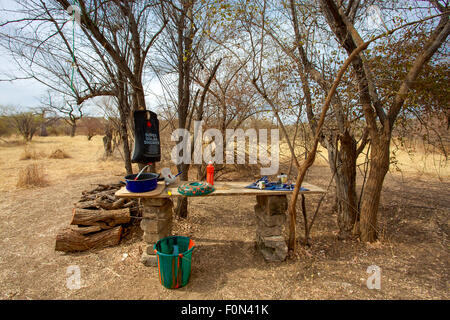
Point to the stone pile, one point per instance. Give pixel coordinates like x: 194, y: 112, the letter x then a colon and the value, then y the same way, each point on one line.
x: 156, y: 224
x: 271, y: 218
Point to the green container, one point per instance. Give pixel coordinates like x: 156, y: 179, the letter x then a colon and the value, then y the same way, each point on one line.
x: 174, y: 260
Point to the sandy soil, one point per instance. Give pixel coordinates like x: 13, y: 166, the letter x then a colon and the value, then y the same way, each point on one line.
x: 412, y: 252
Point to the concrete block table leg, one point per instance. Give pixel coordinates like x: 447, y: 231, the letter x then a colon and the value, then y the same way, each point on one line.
x: 156, y: 224
x: 271, y: 218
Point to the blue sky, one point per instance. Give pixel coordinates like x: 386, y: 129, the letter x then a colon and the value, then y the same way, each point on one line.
x: 20, y: 93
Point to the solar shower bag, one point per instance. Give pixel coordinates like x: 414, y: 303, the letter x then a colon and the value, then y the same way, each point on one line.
x: 147, y: 145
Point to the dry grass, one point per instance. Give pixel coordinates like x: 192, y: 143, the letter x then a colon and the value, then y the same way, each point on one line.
x: 32, y: 176
x: 31, y: 154
x: 84, y: 159
x: 12, y: 142
x: 59, y: 154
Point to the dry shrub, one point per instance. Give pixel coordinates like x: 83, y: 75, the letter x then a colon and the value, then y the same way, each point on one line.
x: 32, y: 176
x: 31, y: 154
x: 58, y: 154
x: 11, y: 143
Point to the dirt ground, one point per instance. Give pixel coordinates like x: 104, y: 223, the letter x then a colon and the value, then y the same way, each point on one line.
x: 412, y: 252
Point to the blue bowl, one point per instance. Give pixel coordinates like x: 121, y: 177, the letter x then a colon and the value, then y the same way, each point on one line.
x: 146, y: 182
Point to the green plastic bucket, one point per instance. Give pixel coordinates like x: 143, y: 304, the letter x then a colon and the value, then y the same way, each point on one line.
x: 174, y: 256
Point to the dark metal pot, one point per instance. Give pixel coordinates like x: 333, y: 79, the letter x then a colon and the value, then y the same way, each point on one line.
x: 146, y: 182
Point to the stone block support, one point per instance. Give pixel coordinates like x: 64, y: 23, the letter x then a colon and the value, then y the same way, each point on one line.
x: 270, y: 220
x: 156, y: 224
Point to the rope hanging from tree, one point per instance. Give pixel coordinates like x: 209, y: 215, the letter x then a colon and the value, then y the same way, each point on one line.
x: 74, y: 66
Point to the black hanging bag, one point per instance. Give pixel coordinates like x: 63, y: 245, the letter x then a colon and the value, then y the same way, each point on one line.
x: 147, y: 148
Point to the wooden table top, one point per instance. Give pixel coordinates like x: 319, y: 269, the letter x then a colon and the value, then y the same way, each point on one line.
x: 223, y: 188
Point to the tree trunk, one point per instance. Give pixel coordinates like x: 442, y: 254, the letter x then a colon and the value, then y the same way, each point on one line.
x: 201, y: 172
x: 107, y: 142
x: 125, y: 118
x: 342, y: 161
x: 379, y: 166
x: 182, y: 202
x: 140, y: 96
x: 346, y: 186
x: 346, y: 200
x: 43, y: 130
x: 182, y: 207
x: 126, y: 152
x: 184, y: 47
x: 124, y: 138
x: 73, y: 128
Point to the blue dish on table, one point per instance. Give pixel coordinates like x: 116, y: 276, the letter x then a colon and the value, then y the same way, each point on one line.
x: 146, y: 182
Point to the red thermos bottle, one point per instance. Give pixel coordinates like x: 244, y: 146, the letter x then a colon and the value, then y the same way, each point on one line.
x: 210, y: 173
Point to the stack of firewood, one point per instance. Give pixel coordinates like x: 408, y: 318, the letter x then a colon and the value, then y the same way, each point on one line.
x: 98, y: 220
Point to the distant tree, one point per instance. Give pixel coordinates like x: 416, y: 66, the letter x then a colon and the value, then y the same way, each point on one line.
x: 47, y: 118
x: 5, y: 123
x: 92, y: 126
x: 71, y: 113
x: 26, y: 124
x: 4, y: 127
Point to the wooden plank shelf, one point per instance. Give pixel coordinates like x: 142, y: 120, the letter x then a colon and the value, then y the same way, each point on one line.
x: 223, y: 188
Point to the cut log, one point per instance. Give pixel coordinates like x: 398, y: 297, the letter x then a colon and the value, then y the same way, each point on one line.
x: 91, y: 204
x: 70, y: 240
x: 107, y: 197
x: 103, y: 218
x: 93, y: 196
x: 100, y: 203
x: 117, y: 204
x: 103, y: 187
x: 87, y: 230
x: 130, y: 204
